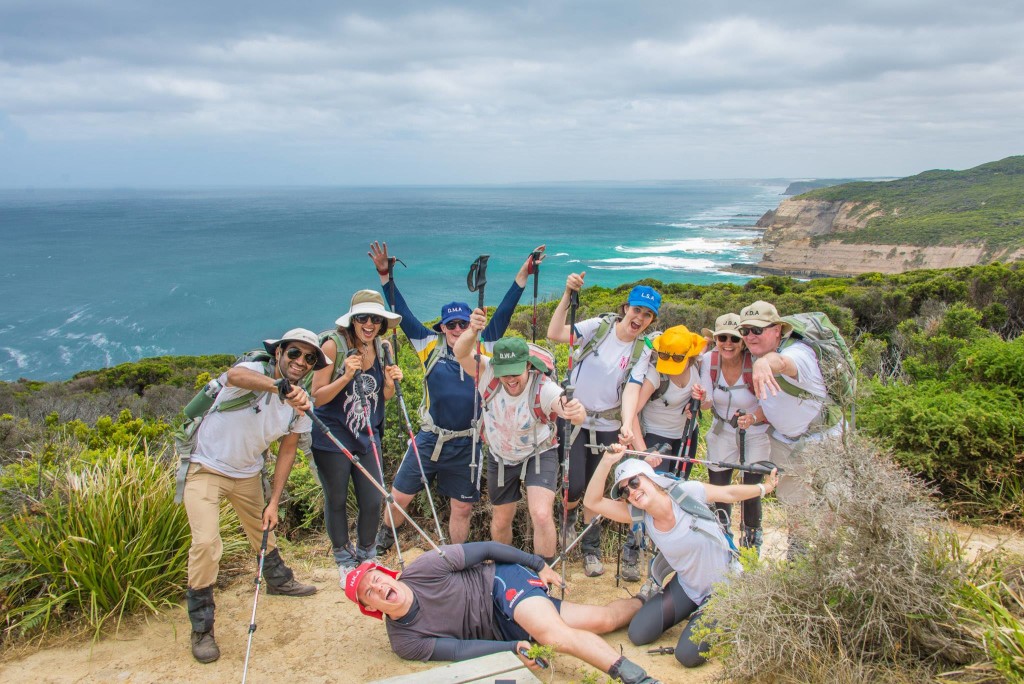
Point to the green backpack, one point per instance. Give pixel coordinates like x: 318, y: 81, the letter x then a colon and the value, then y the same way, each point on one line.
x: 838, y: 369
x: 605, y: 328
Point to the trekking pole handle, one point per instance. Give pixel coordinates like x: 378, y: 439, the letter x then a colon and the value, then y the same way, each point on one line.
x: 735, y: 420
x: 390, y: 361
x: 284, y: 388
x: 266, y: 538
x: 542, y: 663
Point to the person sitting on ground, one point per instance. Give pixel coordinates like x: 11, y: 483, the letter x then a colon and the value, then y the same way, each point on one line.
x: 726, y: 376
x: 444, y: 440
x: 611, y: 352
x: 461, y: 606
x: 350, y: 396
x: 521, y: 443
x: 662, y: 403
x: 797, y: 412
x: 694, y: 547
x: 227, y: 464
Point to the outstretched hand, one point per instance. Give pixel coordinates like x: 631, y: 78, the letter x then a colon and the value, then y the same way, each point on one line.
x: 379, y: 255
x: 477, y: 320
x: 613, y: 454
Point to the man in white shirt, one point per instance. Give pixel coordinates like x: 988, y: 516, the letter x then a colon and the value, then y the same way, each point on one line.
x: 227, y: 462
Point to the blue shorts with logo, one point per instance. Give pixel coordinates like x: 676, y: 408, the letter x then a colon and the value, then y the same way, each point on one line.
x: 512, y: 584
x: 451, y: 469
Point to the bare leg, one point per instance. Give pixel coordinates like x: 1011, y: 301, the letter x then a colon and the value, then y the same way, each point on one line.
x: 402, y: 500
x: 541, y: 502
x: 537, y: 615
x: 458, y: 521
x: 501, y: 523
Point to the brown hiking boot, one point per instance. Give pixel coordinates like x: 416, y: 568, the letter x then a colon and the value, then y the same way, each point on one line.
x: 291, y: 588
x: 592, y: 565
x: 204, y: 648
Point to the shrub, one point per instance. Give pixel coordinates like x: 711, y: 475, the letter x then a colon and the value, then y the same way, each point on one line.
x: 870, y: 600
x: 992, y: 606
x: 107, y: 541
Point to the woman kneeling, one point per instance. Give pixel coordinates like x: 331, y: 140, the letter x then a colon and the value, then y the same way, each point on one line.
x: 679, y: 522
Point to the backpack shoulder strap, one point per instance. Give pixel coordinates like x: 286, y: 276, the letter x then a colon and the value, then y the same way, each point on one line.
x: 716, y: 367
x: 608, y: 321
x: 539, y: 379
x: 435, y: 354
x: 662, y: 386
x: 748, y: 370
x: 342, y: 349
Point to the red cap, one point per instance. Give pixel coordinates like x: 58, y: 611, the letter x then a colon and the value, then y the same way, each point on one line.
x: 354, y: 577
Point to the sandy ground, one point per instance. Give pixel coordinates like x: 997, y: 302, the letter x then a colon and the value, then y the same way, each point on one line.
x: 323, y: 638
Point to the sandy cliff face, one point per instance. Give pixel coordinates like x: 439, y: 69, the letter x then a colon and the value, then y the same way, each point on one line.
x: 788, y: 248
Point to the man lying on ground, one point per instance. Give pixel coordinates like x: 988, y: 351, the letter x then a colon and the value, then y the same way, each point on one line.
x: 461, y: 606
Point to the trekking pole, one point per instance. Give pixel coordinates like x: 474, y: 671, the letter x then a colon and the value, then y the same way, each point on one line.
x: 391, y: 299
x: 735, y: 422
x: 574, y: 303
x: 284, y: 388
x: 691, y: 429
x: 255, y: 601
x: 365, y: 401
x: 415, y: 448
x: 566, y: 433
x: 535, y: 270
x: 757, y: 468
x: 561, y: 557
x: 618, y: 557
x: 476, y: 279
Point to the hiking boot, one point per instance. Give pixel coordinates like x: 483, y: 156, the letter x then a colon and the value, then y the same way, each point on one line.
x: 630, y: 673
x: 592, y: 565
x: 648, y: 590
x: 204, y: 648
x: 385, y: 540
x: 751, y: 538
x: 280, y: 578
x: 629, y: 570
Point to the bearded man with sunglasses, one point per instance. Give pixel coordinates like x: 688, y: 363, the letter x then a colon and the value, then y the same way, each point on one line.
x: 794, y: 419
x: 445, y: 441
x: 227, y: 462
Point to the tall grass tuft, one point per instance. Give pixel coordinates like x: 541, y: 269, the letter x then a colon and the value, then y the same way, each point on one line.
x: 107, y: 542
x: 993, y: 609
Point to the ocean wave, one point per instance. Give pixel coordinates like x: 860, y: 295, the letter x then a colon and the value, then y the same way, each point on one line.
x: 688, y: 245
x: 560, y: 254
x: 19, y: 357
x: 656, y: 263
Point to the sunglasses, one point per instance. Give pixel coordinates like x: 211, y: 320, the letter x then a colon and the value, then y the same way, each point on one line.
x: 678, y: 358
x: 309, y: 357
x: 456, y: 325
x: 753, y: 329
x: 628, y: 485
x: 729, y: 338
x: 363, y: 318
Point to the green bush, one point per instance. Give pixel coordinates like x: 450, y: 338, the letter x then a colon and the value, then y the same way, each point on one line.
x: 106, y: 542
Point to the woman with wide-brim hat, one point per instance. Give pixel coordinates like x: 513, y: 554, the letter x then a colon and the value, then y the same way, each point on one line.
x: 694, y: 548
x: 726, y: 383
x: 349, y: 396
x: 610, y: 354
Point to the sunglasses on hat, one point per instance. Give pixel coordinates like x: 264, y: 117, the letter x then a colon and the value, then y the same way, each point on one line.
x: 453, y: 325
x: 753, y: 329
x: 364, y: 317
x: 629, y: 485
x: 678, y: 358
x: 728, y: 338
x: 309, y: 357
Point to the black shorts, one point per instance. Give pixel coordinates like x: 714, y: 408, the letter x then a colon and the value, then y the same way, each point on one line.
x: 512, y: 584
x: 514, y: 475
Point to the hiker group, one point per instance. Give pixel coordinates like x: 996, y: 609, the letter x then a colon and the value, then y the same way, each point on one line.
x: 497, y: 403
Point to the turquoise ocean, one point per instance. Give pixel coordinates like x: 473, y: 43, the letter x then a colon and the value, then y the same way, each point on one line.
x: 93, y: 278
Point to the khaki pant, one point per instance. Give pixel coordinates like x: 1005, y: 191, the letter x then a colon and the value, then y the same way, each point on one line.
x: 794, y: 485
x: 204, y: 490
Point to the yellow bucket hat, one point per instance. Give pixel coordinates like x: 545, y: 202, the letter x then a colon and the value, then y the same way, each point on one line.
x: 675, y: 347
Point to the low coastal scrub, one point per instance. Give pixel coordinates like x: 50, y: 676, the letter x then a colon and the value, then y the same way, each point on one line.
x: 105, y: 541
x: 872, y: 599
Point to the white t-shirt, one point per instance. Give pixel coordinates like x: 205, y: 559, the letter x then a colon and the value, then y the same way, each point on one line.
x: 512, y: 429
x: 789, y: 415
x: 664, y: 416
x: 598, y: 377
x: 233, y: 442
x: 699, y: 561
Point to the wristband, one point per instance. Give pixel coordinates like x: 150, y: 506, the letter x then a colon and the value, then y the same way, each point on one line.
x: 763, y: 490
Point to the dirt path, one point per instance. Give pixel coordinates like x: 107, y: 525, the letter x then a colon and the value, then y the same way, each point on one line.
x: 321, y: 638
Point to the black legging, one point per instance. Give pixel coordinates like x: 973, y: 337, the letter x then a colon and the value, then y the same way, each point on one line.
x: 751, y: 507
x: 583, y: 461
x: 664, y: 610
x: 335, y: 472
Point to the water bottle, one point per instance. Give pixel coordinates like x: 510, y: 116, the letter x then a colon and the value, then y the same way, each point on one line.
x: 202, y: 402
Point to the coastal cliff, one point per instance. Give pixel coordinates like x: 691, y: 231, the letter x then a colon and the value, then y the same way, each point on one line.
x: 937, y: 219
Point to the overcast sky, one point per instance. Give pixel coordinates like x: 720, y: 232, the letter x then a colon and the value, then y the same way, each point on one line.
x: 129, y: 92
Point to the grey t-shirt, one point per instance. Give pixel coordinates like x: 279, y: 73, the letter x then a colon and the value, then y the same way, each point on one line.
x: 452, y: 603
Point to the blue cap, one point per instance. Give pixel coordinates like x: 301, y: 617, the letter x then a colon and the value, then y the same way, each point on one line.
x: 645, y: 296
x: 453, y: 311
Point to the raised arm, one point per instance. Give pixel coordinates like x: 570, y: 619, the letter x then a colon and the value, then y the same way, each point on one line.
x: 740, y: 492
x: 503, y: 314
x: 558, y: 328
x: 411, y: 326
x: 466, y: 343
x: 594, y: 497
